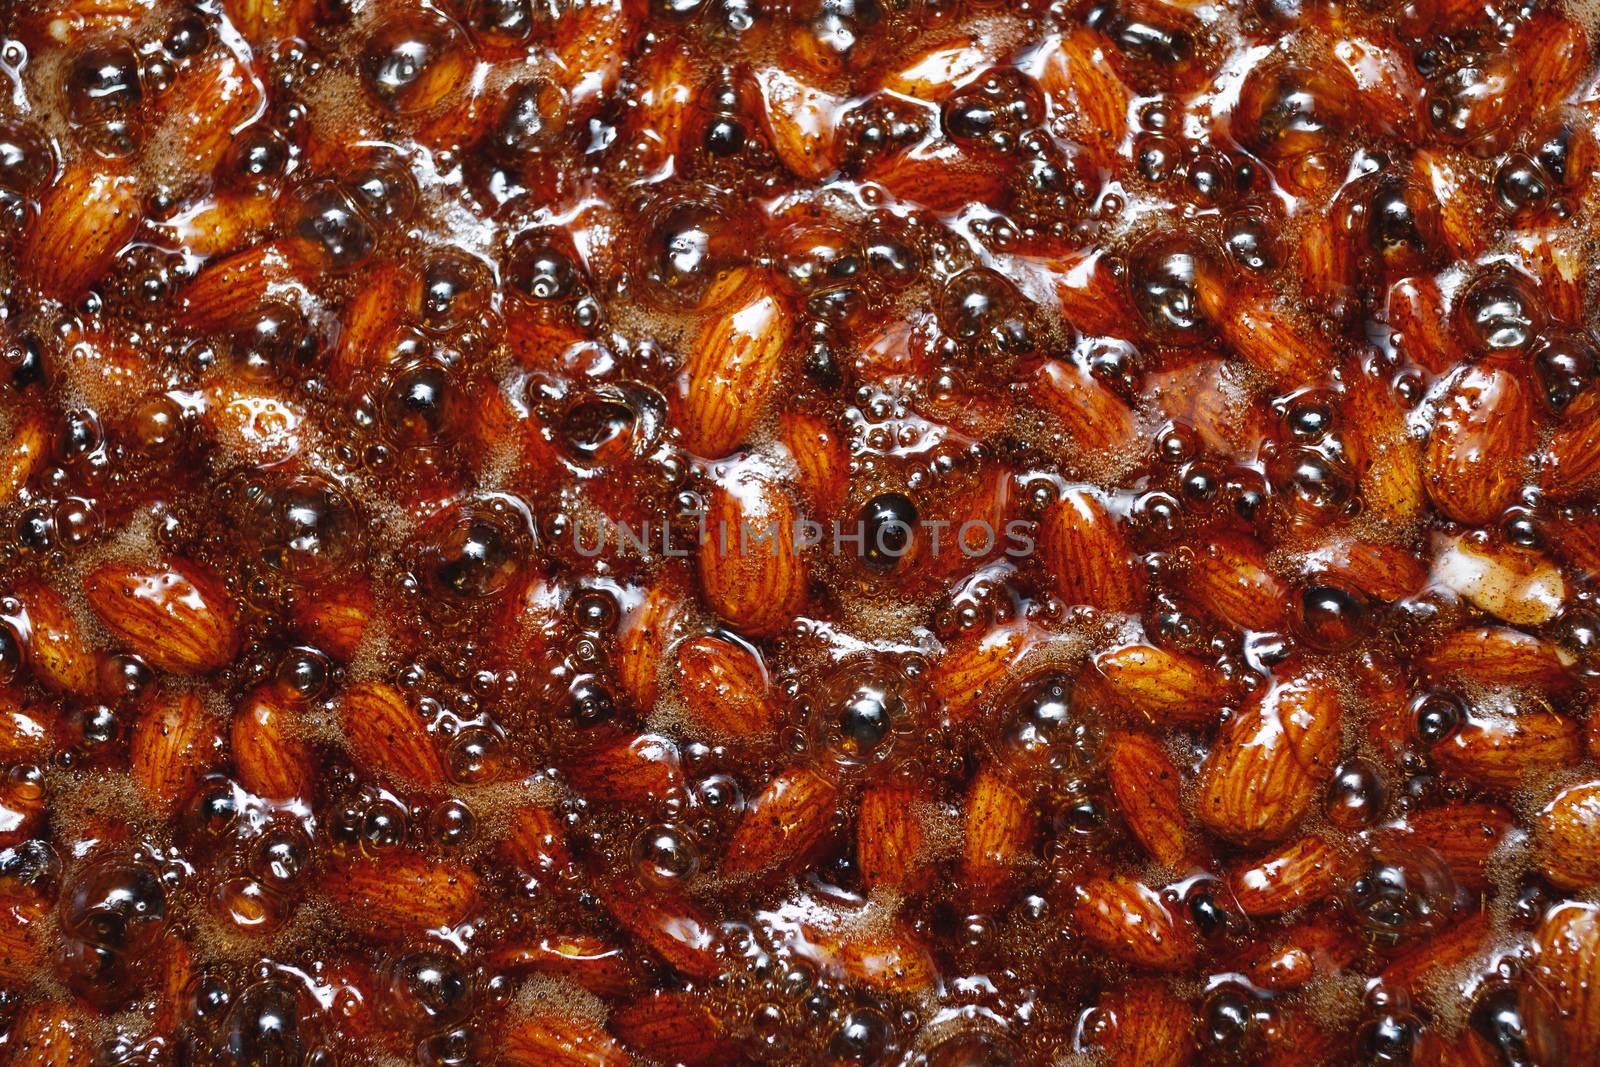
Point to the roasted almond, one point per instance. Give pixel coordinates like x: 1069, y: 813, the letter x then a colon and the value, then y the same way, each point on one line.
x: 782, y: 825
x: 1164, y: 686
x: 93, y: 209
x: 734, y: 366
x: 1483, y: 432
x: 1087, y: 555
x: 174, y: 744
x: 725, y: 686
x: 559, y: 1041
x: 401, y: 894
x: 56, y: 648
x: 387, y: 738
x: 1568, y: 837
x: 271, y: 760
x: 1147, y: 787
x: 1293, y: 876
x: 177, y: 616
x: 750, y: 567
x: 1128, y: 921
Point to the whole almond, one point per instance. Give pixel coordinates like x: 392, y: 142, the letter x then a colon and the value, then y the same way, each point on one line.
x: 679, y: 931
x: 1230, y: 578
x: 1087, y: 555
x: 56, y: 648
x: 1093, y: 418
x: 750, y: 568
x: 734, y: 366
x: 588, y: 961
x: 47, y: 1034
x: 972, y: 668
x: 676, y: 1026
x: 1082, y: 85
x: 401, y: 894
x: 1270, y: 761
x: 1568, y: 968
x: 336, y: 618
x: 1466, y: 835
x: 177, y: 616
x: 1265, y: 332
x: 643, y: 637
x: 1500, y: 747
x: 1483, y: 432
x: 174, y: 744
x: 1153, y: 1027
x: 21, y: 453
x: 999, y: 827
x: 1572, y: 459
x: 781, y: 827
x: 536, y: 844
x: 625, y: 768
x: 725, y: 687
x: 271, y: 760
x: 801, y: 121
x: 1164, y: 686
x: 93, y: 209
x: 1146, y: 787
x: 887, y: 959
x: 387, y: 738
x: 822, y: 456
x: 1127, y: 920
x: 1498, y: 656
x: 891, y: 839
x: 559, y: 1041
x: 1293, y: 876
x: 1567, y: 838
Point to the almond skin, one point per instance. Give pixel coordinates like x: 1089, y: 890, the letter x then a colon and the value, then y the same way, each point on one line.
x: 1093, y: 418
x: 1568, y: 968
x: 1498, y: 748
x: 46, y: 1034
x: 559, y: 1041
x: 1483, y: 430
x: 1270, y: 761
x: 750, y: 569
x: 387, y: 738
x: 178, y: 617
x: 973, y: 667
x: 1498, y: 656
x: 890, y: 838
x: 781, y: 827
x: 1568, y: 837
x: 270, y: 760
x: 1465, y: 834
x: 1087, y: 554
x: 1146, y: 787
x: 21, y: 454
x: 678, y: 931
x: 1572, y: 459
x: 643, y: 637
x: 733, y: 366
x: 589, y: 962
x: 56, y: 649
x: 627, y: 768
x: 889, y: 959
x: 676, y: 1027
x: 1287, y: 878
x: 799, y: 118
x: 84, y: 220
x: 1153, y: 1027
x: 999, y: 826
x: 1230, y: 578
x: 1164, y: 686
x: 402, y: 893
x: 1127, y: 921
x: 724, y: 683
x: 823, y: 457
x: 174, y: 745
x: 335, y: 619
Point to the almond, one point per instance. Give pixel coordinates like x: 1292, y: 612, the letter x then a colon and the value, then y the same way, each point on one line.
x: 56, y: 649
x: 801, y: 120
x: 939, y: 176
x: 999, y: 827
x: 264, y: 21
x: 1146, y: 787
x: 1388, y: 457
x: 1293, y: 876
x: 1500, y: 747
x: 388, y: 739
x: 972, y: 668
x: 22, y: 453
x: 1081, y: 84
x: 1466, y: 835
x: 174, y: 745
x: 593, y: 963
x: 1087, y: 554
x: 1516, y: 585
x: 559, y: 1041
x: 204, y: 109
x: 1127, y: 920
x: 25, y: 736
x: 1164, y: 686
x: 176, y: 616
x: 1230, y: 578
x: 750, y: 568
x: 724, y: 684
x: 1417, y: 970
x: 336, y: 618
x: 226, y: 292
x: 1475, y: 452
x: 46, y: 1034
x: 1568, y: 968
x: 676, y: 930
x: 1572, y: 459
x: 890, y: 838
x: 537, y: 844
x: 781, y: 827
x: 1421, y: 328
x: 733, y: 366
x: 822, y: 456
x: 1092, y: 296
x: 1093, y: 418
x: 1568, y: 837
x: 93, y: 209
x: 401, y: 894
x: 1459, y: 193
x: 1498, y: 656
x: 643, y: 637
x: 935, y: 73
x: 1263, y: 331
x: 1153, y: 1027
x: 270, y: 760
x: 220, y: 225
x: 675, y: 1026
x: 628, y: 769
x: 887, y: 959
x: 371, y: 322
x: 1270, y: 761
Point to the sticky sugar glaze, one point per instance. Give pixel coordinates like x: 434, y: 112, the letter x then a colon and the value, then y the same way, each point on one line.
x: 334, y: 329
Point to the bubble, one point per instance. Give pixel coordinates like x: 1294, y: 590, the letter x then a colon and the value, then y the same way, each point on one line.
x: 422, y: 405
x: 468, y: 555
x: 888, y: 523
x: 329, y: 218
x: 1356, y: 796
x: 540, y: 270
x: 1519, y: 1023
x: 26, y: 160
x: 1437, y: 717
x: 1162, y: 279
x: 664, y: 855
x: 1500, y: 313
x: 863, y: 1038
x: 281, y: 857
x: 428, y: 989
x: 307, y: 528
x: 263, y: 1028
x: 1332, y: 618
x: 984, y: 309
x: 856, y: 713
x: 1401, y: 891
x: 104, y: 80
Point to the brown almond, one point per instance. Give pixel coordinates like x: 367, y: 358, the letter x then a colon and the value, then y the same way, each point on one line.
x: 890, y: 838
x: 21, y: 454
x: 559, y: 1041
x: 1572, y: 459
x: 1466, y: 835
x: 1153, y: 1027
x: 1293, y: 876
x: 601, y: 966
x: 1087, y: 555
x: 1568, y: 968
x: 643, y: 636
x: 822, y: 456
x: 387, y: 738
x: 177, y: 616
x: 801, y: 121
x: 56, y: 648
x: 336, y: 618
x: 750, y: 568
x: 1093, y: 418
x: 676, y: 1026
x: 733, y: 367
x: 1500, y: 747
x: 1146, y: 787
x: 1567, y: 837
x: 93, y: 209
x: 1164, y: 686
x: 623, y: 768
x: 271, y: 761
x: 47, y: 1034
x: 999, y: 826
x: 886, y: 959
x: 972, y: 668
x: 401, y: 894
x: 1483, y: 432
x: 725, y: 687
x: 1270, y: 761
x: 781, y: 827
x: 1127, y: 920
x: 1231, y: 579
x: 174, y: 744
x: 1498, y: 656
x: 678, y: 931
